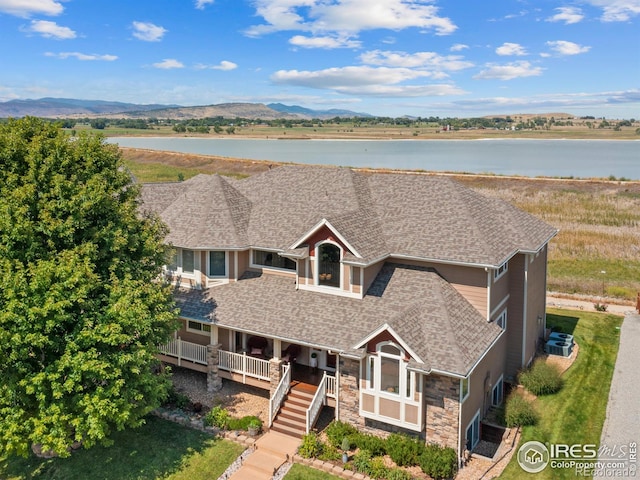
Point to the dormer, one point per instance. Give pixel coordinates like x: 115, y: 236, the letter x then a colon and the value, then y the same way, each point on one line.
x: 323, y: 270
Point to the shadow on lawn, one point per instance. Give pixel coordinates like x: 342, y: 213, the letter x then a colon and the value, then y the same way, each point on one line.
x: 562, y: 323
x: 152, y: 451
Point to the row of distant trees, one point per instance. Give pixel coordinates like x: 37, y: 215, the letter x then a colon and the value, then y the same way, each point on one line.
x: 221, y: 124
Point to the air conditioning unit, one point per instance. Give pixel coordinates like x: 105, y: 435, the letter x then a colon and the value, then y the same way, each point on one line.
x: 564, y: 337
x: 558, y: 347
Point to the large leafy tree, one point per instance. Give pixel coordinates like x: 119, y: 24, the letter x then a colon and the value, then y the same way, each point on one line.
x: 81, y: 309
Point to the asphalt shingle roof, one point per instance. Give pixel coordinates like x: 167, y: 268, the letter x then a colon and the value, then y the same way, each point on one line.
x: 423, y: 216
x: 429, y: 315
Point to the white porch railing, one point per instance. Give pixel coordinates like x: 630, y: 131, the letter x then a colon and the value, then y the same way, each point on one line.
x: 281, y: 391
x: 318, y: 401
x: 243, y: 364
x: 331, y: 386
x: 185, y: 351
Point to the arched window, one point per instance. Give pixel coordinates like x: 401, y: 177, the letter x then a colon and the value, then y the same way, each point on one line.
x: 390, y: 367
x: 328, y: 265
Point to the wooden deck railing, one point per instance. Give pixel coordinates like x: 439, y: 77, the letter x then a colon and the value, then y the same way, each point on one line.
x: 244, y: 365
x: 185, y: 351
x: 281, y: 391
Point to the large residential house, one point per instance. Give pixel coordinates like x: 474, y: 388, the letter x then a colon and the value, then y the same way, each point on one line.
x: 404, y: 301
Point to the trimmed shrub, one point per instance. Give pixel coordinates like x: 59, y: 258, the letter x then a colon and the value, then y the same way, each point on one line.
x: 218, y: 417
x: 329, y: 453
x: 404, y: 450
x: 362, y: 462
x: 243, y: 423
x: 518, y: 411
x: 376, y: 445
x: 337, y: 430
x: 398, y: 474
x: 177, y: 399
x: 542, y: 378
x: 438, y: 462
x: 311, y: 446
x: 378, y: 469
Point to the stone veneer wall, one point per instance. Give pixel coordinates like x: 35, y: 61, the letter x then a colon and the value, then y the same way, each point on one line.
x: 214, y: 382
x: 275, y: 374
x: 349, y: 394
x: 442, y: 407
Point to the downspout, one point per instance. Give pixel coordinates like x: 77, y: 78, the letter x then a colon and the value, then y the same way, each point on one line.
x: 524, y: 309
x: 489, y: 272
x: 337, y: 415
x: 460, y: 459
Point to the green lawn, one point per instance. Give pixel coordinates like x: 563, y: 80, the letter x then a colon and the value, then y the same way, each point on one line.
x: 575, y: 415
x: 302, y: 472
x: 158, y: 450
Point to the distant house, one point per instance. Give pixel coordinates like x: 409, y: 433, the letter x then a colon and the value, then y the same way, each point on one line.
x: 405, y: 301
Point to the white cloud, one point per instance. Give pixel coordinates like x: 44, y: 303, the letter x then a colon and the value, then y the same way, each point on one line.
x: 568, y: 15
x: 458, y: 47
x: 617, y: 10
x: 26, y: 8
x: 326, y: 42
x: 148, y: 32
x: 365, y: 80
x: 169, y: 63
x: 511, y: 49
x: 348, y: 16
x: 429, y: 60
x: 225, y: 65
x: 200, y: 4
x: 82, y: 56
x: 509, y: 71
x: 562, y: 47
x: 51, y: 30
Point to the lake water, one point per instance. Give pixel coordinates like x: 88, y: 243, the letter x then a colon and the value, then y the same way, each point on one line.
x: 531, y: 158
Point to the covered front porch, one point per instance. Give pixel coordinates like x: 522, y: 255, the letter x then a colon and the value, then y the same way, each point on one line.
x: 263, y: 362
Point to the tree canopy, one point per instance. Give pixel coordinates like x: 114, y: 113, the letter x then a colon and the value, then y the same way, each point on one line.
x: 81, y: 307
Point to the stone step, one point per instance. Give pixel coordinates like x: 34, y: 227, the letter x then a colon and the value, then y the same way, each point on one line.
x: 263, y: 462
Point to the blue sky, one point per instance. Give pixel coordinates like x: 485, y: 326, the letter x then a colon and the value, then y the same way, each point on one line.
x: 384, y: 57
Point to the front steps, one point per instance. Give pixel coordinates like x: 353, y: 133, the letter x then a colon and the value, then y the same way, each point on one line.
x: 292, y: 417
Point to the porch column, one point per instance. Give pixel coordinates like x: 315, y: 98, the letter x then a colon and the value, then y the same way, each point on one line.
x: 214, y: 382
x: 348, y: 401
x: 275, y: 373
x: 277, y: 348
x: 214, y: 335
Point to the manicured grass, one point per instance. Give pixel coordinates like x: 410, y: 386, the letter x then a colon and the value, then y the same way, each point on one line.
x: 575, y: 415
x: 302, y: 472
x: 158, y: 450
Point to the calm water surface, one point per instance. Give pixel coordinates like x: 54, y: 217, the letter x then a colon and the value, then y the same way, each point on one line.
x: 532, y: 158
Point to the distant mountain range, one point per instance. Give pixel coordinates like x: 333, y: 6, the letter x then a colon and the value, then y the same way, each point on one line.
x: 74, y: 108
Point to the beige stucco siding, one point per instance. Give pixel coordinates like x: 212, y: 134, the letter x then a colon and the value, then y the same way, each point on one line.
x: 243, y: 262
x: 370, y: 274
x: 536, y: 302
x: 515, y: 312
x: 481, y: 383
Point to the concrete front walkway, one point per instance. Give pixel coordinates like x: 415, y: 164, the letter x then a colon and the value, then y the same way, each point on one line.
x: 622, y: 424
x: 271, y: 451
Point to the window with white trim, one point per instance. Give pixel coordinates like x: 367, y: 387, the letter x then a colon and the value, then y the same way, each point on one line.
x: 473, y: 432
x: 387, y: 371
x: 464, y: 389
x: 217, y: 263
x: 198, y: 327
x: 188, y: 261
x: 501, y: 320
x: 328, y: 263
x: 497, y: 394
x: 182, y: 262
x: 500, y: 271
x: 264, y: 258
